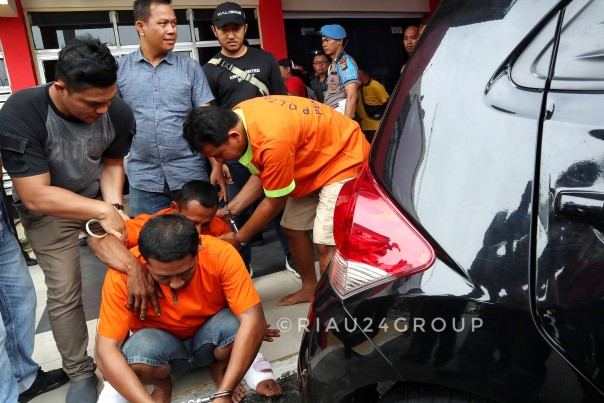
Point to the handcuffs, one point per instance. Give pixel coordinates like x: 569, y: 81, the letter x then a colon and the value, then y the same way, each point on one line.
x: 93, y: 221
x: 89, y: 231
x: 233, y: 225
x: 210, y: 398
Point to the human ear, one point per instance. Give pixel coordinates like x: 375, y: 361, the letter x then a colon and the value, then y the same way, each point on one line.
x: 139, y: 25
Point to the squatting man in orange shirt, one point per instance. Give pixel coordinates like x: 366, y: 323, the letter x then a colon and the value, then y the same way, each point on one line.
x: 210, y: 316
x: 197, y: 201
x: 300, y: 153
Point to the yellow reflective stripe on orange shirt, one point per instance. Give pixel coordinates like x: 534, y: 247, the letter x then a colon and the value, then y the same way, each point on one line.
x: 246, y: 158
x: 246, y: 161
x: 281, y: 192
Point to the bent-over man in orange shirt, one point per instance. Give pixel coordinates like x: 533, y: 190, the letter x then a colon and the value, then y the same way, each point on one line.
x: 198, y: 201
x: 211, y: 315
x: 300, y: 153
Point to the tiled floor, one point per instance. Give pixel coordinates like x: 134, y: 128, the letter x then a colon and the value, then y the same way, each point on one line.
x: 270, y: 287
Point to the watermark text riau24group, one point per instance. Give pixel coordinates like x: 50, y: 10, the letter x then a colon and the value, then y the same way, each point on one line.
x: 371, y: 325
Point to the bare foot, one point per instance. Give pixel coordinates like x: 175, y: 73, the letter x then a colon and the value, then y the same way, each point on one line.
x: 269, y: 388
x: 162, y: 392
x: 296, y: 298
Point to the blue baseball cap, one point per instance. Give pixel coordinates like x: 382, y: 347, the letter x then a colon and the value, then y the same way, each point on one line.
x: 333, y: 31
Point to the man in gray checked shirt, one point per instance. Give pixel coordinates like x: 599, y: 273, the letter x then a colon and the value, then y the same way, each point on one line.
x: 161, y: 87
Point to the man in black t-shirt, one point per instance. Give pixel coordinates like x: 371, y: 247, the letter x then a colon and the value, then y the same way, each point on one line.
x: 63, y: 145
x: 229, y: 89
x: 229, y: 26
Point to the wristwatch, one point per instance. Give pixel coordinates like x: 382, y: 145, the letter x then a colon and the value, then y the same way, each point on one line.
x: 118, y: 206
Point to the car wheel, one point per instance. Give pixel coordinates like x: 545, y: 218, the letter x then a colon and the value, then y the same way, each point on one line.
x: 406, y: 392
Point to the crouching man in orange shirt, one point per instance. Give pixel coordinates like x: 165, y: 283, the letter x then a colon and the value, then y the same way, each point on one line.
x: 211, y: 315
x: 198, y: 201
x: 300, y: 153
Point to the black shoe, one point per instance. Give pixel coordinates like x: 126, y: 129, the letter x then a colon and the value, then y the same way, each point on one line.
x: 257, y: 240
x: 44, y: 382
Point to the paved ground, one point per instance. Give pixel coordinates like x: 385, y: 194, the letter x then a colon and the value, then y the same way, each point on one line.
x: 285, y: 373
x: 271, y: 281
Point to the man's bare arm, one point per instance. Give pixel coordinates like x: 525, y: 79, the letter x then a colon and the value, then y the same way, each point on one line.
x: 351, y: 98
x: 37, y: 193
x: 117, y: 372
x: 268, y: 209
x: 249, y: 193
x: 246, y: 346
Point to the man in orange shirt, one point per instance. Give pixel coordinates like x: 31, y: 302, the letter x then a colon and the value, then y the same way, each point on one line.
x: 300, y: 153
x: 211, y: 316
x: 198, y: 201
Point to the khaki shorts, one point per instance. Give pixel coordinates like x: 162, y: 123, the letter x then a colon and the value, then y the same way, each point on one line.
x: 314, y: 211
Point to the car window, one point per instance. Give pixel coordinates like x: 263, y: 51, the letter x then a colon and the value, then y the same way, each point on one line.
x: 579, y: 62
x: 531, y: 68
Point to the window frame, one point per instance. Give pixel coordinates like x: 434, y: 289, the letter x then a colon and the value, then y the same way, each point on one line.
x: 192, y: 48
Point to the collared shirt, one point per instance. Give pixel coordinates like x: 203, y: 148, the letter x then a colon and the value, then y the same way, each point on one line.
x: 161, y: 98
x: 342, y: 71
x: 220, y: 280
x: 319, y: 87
x: 371, y: 94
x: 297, y: 145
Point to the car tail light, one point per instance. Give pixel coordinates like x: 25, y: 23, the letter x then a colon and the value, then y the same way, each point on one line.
x: 375, y: 242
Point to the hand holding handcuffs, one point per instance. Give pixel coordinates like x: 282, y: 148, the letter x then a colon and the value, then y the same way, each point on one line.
x: 232, y: 224
x: 94, y: 227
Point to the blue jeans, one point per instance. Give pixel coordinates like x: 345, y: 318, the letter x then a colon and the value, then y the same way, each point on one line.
x: 18, y: 309
x: 240, y: 175
x: 157, y: 347
x: 143, y: 202
x: 8, y: 384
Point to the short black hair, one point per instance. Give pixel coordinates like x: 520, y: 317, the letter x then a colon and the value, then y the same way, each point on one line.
x: 201, y: 191
x: 142, y: 8
x: 363, y: 66
x: 320, y: 54
x: 208, y: 125
x: 168, y: 237
x: 85, y: 62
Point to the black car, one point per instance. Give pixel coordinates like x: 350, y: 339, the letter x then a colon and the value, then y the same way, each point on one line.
x: 470, y: 251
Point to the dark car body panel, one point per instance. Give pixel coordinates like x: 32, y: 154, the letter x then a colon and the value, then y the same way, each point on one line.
x: 506, y: 182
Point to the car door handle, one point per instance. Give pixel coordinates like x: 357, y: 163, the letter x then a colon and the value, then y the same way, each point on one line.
x: 582, y: 206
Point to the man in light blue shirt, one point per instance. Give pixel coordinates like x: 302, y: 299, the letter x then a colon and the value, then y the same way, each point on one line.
x: 161, y: 87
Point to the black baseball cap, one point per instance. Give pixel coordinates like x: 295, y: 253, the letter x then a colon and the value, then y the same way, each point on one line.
x: 228, y: 12
x: 286, y: 63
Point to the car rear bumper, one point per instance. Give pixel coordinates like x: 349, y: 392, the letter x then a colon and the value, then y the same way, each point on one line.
x: 335, y: 352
